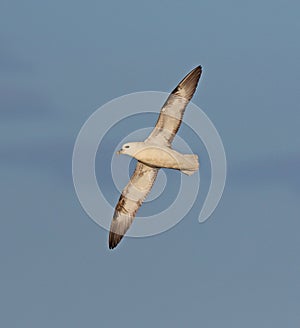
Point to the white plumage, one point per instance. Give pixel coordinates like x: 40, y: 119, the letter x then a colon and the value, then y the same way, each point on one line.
x: 154, y: 153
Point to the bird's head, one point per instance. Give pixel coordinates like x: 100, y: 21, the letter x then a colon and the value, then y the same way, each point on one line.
x: 129, y: 148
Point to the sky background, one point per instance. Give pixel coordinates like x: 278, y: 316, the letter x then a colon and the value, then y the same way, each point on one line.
x: 60, y: 61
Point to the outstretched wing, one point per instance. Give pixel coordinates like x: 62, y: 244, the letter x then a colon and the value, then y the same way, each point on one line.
x: 130, y: 201
x: 172, y: 111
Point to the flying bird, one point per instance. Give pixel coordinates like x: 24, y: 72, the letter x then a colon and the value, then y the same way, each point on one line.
x: 155, y: 153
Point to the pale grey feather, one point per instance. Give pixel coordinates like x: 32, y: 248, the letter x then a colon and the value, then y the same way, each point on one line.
x: 173, y: 109
x: 130, y: 201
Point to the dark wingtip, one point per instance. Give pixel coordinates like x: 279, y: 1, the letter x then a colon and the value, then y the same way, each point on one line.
x: 189, y: 82
x: 197, y: 70
x: 114, y: 240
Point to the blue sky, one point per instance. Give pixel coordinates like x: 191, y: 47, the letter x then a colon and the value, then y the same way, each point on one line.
x: 59, y: 62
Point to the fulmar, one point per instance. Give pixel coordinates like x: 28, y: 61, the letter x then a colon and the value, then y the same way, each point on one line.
x: 155, y: 153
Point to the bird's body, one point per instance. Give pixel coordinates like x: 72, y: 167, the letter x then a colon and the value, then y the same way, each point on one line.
x: 154, y: 153
x: 161, y: 156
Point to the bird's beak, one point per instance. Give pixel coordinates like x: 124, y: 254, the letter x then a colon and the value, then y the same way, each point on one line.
x: 119, y: 152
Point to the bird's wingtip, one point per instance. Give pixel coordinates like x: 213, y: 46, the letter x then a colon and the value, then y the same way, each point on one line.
x: 199, y: 67
x: 114, y: 240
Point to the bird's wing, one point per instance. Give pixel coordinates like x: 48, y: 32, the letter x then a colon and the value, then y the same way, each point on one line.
x: 172, y: 111
x: 130, y: 201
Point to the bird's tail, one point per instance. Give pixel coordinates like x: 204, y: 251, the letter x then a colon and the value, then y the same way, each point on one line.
x: 191, y: 164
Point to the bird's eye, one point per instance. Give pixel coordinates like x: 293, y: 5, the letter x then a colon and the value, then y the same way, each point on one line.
x: 126, y: 146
